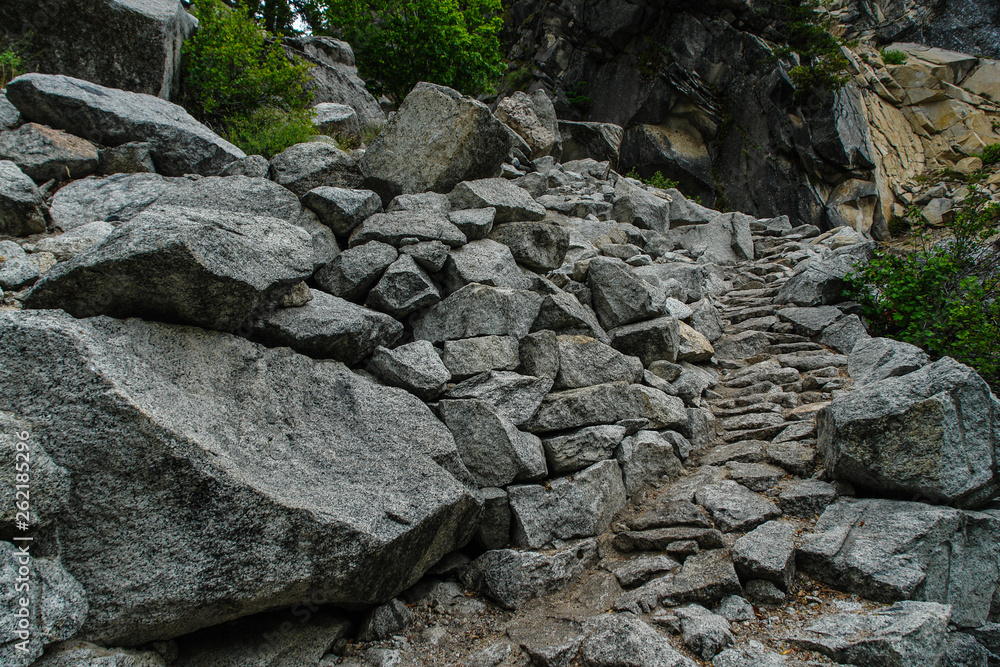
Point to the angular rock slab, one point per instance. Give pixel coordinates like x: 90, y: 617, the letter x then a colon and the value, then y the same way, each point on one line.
x: 313, y: 164
x: 907, y: 633
x: 767, y: 552
x: 514, y: 396
x: 416, y: 367
x: 190, y: 266
x: 734, y: 507
x: 22, y: 209
x: 607, y: 404
x: 619, y: 639
x: 44, y: 154
x: 179, y: 144
x: 580, y: 506
x: 879, y: 358
x: 511, y: 203
x: 541, y: 245
x: 255, y: 485
x: 437, y: 139
x: 479, y: 310
x: 892, y: 550
x: 934, y: 431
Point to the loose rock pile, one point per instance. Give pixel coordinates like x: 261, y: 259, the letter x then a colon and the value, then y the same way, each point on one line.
x: 483, y: 402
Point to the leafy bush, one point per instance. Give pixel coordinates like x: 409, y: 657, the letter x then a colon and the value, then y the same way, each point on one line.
x: 399, y: 43
x: 11, y: 66
x: 944, y: 297
x: 991, y: 154
x: 268, y: 131
x: 823, y: 67
x: 657, y: 180
x: 891, y: 57
x: 232, y: 69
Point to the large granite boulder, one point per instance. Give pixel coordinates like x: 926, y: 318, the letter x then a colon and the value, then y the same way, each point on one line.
x: 895, y: 550
x: 128, y: 44
x: 193, y: 266
x: 436, y: 140
x: 179, y: 144
x: 45, y: 154
x: 22, y: 209
x: 213, y: 478
x: 933, y: 432
x: 820, y: 281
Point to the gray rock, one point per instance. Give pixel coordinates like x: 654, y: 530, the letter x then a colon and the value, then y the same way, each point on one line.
x: 479, y: 310
x: 759, y: 477
x: 620, y: 296
x: 875, y: 359
x: 336, y: 119
x: 693, y: 346
x: 235, y: 194
x: 403, y: 289
x: 706, y: 320
x: 22, y: 210
x: 962, y: 650
x: 44, y: 154
x: 208, y: 268
x: 541, y: 246
x: 930, y: 432
x: 890, y: 550
x: 753, y: 655
x: 564, y: 313
x: 794, y: 457
x: 635, y: 571
x: 820, y: 282
x: 431, y: 255
x: 180, y: 144
x: 324, y: 243
x: 466, y: 357
x: 446, y: 138
x: 647, y: 458
x: 907, y: 633
x: 683, y: 211
x: 385, y: 620
x: 763, y: 591
x: 490, y: 446
x: 342, y: 209
x: 705, y: 578
x: 72, y: 243
x: 704, y: 633
x: 735, y: 608
x: 807, y: 499
x: 540, y: 354
x: 513, y: 577
x: 494, y: 527
x: 635, y: 205
x: 356, y: 270
x: 810, y: 321
x: 607, y: 404
x: 10, y: 117
x: 50, y: 484
x: 844, y: 334
x: 415, y: 367
x: 115, y: 199
x: 75, y: 653
x: 16, y: 270
x: 735, y: 508
x: 568, y: 507
x: 512, y: 204
x: 397, y: 226
x: 583, y: 447
x: 618, y: 639
x: 661, y: 539
x: 332, y: 431
x: 485, y: 262
x: 328, y: 327
x: 421, y: 201
x: 582, y: 140
x: 724, y: 240
x: 584, y: 362
x: 54, y: 609
x: 475, y: 223
x: 254, y: 166
x: 767, y: 552
x: 515, y: 397
x: 312, y: 164
x: 652, y: 341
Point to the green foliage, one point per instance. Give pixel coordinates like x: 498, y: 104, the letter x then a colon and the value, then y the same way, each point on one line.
x: 517, y: 79
x: 823, y: 67
x: 891, y: 57
x: 575, y: 96
x: 232, y: 69
x: 944, y: 297
x: 899, y: 226
x: 991, y: 154
x: 268, y: 131
x: 657, y: 180
x: 399, y: 43
x: 11, y: 66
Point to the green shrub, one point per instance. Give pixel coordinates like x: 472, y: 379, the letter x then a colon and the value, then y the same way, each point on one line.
x: 899, y: 226
x: 991, y: 154
x: 891, y: 57
x: 944, y: 297
x: 822, y: 66
x: 232, y: 69
x: 268, y: 131
x: 657, y: 180
x: 11, y: 66
x: 575, y: 96
x: 399, y: 43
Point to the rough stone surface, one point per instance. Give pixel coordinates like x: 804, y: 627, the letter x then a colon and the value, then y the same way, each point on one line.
x: 844, y: 334
x: 396, y: 226
x: 342, y: 209
x: 436, y: 140
x: 583, y: 447
x: 466, y: 357
x: 72, y: 243
x: 133, y: 390
x: 75, y: 653
x: 328, y: 327
x: 172, y: 264
x: 403, y: 289
x: 513, y: 396
x: 180, y: 144
x: 416, y: 367
x: 511, y: 203
x: 541, y: 246
x: 479, y: 310
x: 619, y: 640
x: 578, y: 506
x: 356, y: 270
x: 704, y: 633
x: 767, y: 552
x: 313, y: 164
x: 652, y: 341
x: 907, y: 633
x: 894, y: 550
x: 565, y: 314
x: 584, y: 361
x: 621, y: 297
x: 933, y: 432
x: 22, y: 209
x: 475, y: 223
x: 485, y: 262
x: 875, y: 359
x: 734, y: 507
x: 647, y: 458
x: 45, y: 154
x: 607, y: 404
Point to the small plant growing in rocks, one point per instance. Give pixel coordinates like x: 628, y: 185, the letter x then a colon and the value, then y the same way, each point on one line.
x: 991, y: 154
x: 657, y: 180
x: 944, y: 297
x: 893, y: 57
x: 11, y: 66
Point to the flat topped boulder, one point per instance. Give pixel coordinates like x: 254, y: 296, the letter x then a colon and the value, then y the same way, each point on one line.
x: 933, y: 432
x: 192, y: 266
x: 511, y: 202
x: 436, y: 140
x: 255, y: 489
x: 478, y: 310
x: 179, y: 144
